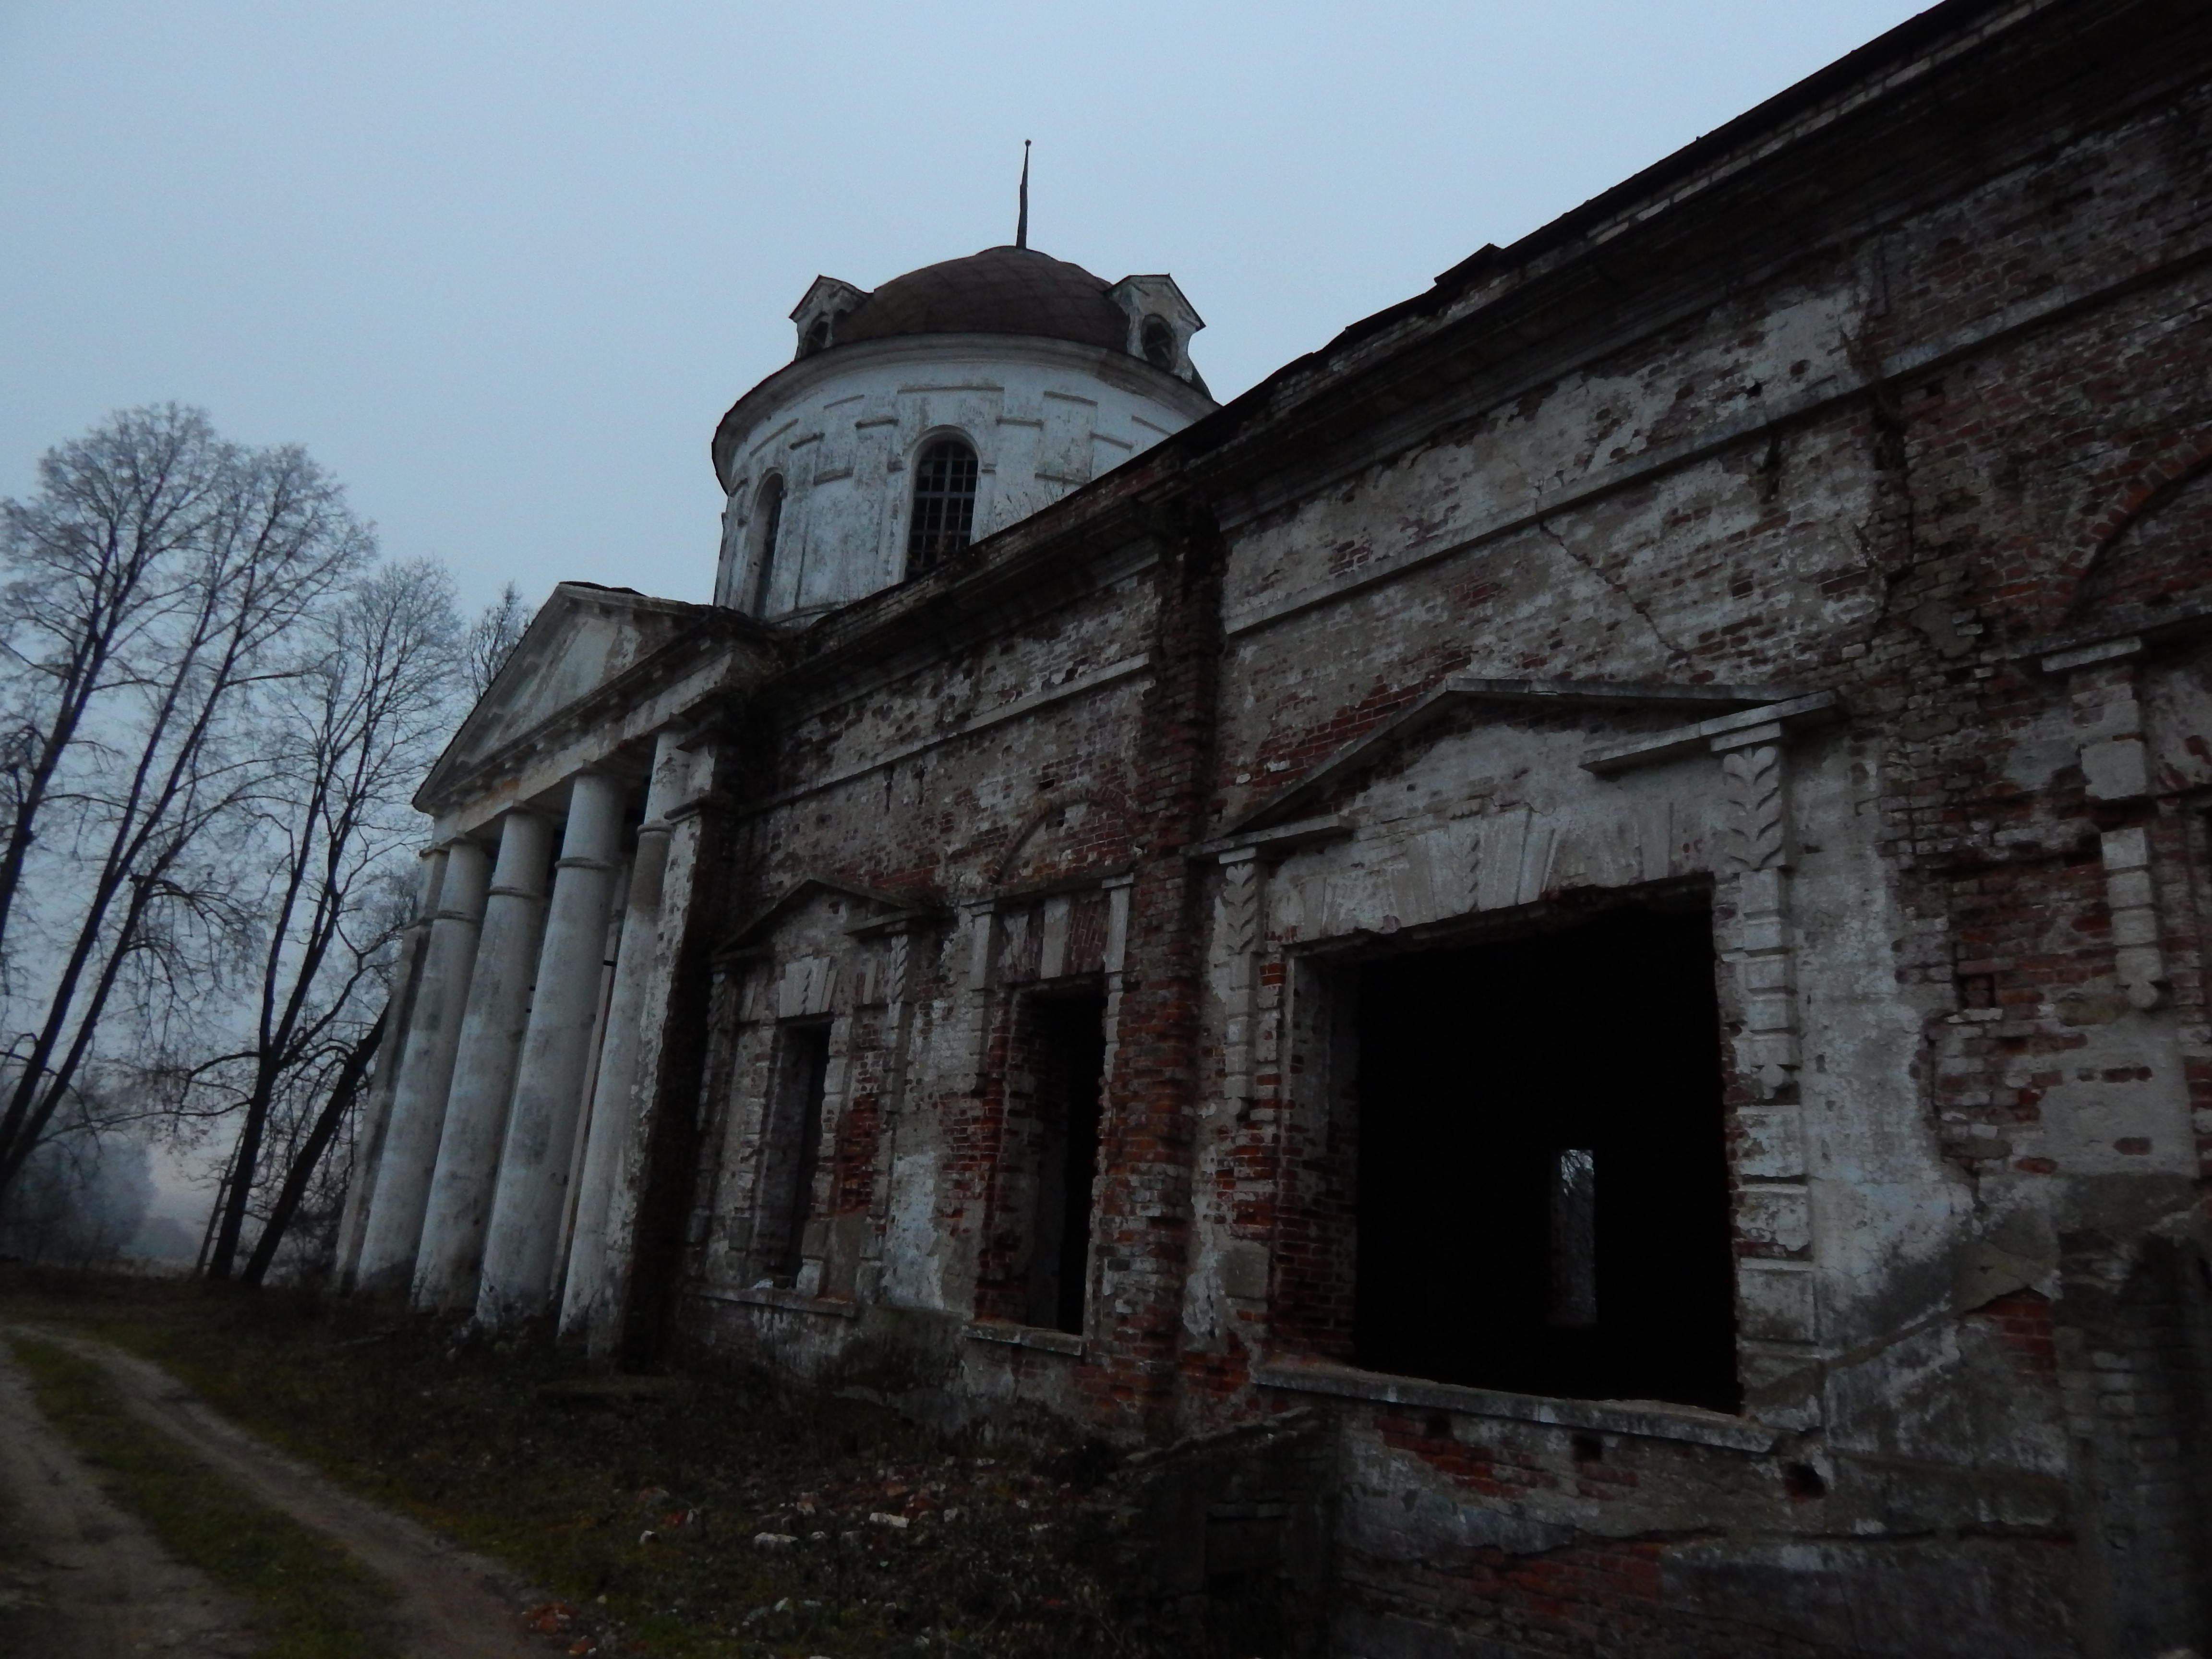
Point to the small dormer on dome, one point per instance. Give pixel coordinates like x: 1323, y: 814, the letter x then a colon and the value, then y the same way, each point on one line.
x: 1160, y: 322
x: 1009, y: 290
x: 817, y: 314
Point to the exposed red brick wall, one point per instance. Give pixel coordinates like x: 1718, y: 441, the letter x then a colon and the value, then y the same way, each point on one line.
x: 2021, y: 1324
x: 1141, y: 1232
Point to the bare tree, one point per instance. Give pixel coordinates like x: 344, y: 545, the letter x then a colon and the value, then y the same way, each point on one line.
x: 353, y: 726
x: 305, y: 1165
x: 84, y: 1192
x: 149, y: 583
x: 96, y: 563
x: 496, y: 631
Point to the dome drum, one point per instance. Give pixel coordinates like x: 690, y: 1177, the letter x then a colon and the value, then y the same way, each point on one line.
x: 1040, y: 376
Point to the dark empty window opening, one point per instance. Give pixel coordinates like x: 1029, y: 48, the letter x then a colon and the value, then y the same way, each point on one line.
x: 1574, y: 1237
x: 1061, y: 1039
x: 791, y: 1148
x: 817, y: 337
x: 1542, y: 1184
x: 944, y: 504
x: 1159, y: 343
x: 768, y: 509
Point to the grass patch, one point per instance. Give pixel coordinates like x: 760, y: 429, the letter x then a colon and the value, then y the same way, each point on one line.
x: 310, y: 1599
x: 641, y: 1513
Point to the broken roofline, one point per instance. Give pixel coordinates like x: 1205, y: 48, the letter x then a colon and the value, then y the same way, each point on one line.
x: 1797, y: 156
x: 1501, y: 306
x: 1890, y: 61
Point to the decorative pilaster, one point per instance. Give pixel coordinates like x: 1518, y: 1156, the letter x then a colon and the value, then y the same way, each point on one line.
x: 1229, y: 1289
x: 1773, y: 1206
x: 483, y: 1073
x: 816, y: 1245
x: 2131, y: 898
x: 1751, y: 784
x: 426, y: 1072
x: 2116, y: 769
x: 979, y: 920
x: 2108, y: 717
x: 1115, y: 957
x: 898, y: 1039
x: 1237, y: 940
x: 520, y: 1248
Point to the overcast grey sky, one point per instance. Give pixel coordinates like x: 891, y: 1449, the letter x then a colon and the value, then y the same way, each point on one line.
x: 501, y: 266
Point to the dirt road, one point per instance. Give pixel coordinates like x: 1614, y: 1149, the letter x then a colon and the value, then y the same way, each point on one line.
x: 80, y: 1578
x: 451, y: 1605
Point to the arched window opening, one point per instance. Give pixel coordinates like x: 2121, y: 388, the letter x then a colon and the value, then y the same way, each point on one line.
x: 944, y: 504
x: 1160, y: 344
x: 768, y: 513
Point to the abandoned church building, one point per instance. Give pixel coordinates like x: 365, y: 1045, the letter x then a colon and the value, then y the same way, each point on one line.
x: 1570, y: 937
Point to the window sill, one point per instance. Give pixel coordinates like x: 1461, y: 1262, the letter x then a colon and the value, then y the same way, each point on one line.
x: 1045, y: 1340
x: 1652, y: 1419
x: 766, y: 1296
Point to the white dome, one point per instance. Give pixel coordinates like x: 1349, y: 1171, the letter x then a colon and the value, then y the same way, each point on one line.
x: 819, y: 461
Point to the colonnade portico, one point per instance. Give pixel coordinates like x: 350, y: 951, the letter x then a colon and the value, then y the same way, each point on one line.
x: 489, y: 1118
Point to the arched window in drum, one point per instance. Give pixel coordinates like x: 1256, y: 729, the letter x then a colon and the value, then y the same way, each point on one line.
x: 767, y: 513
x: 944, y: 518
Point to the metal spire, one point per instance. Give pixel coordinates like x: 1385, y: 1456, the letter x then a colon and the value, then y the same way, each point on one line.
x: 1021, y: 225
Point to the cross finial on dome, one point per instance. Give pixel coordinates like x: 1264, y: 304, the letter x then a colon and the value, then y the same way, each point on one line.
x: 1021, y: 224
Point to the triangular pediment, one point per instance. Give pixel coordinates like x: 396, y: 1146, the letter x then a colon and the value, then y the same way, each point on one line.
x: 859, y: 910
x: 1409, y: 729
x: 583, y: 637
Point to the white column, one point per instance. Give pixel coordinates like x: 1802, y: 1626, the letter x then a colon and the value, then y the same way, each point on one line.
x: 541, y: 1129
x: 418, y: 1107
x: 592, y: 1291
x: 684, y: 875
x: 624, y: 874
x: 384, y: 1086
x: 483, y: 1075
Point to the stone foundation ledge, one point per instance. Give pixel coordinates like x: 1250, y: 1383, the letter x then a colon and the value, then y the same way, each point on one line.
x: 1652, y: 1419
x: 1039, y: 1337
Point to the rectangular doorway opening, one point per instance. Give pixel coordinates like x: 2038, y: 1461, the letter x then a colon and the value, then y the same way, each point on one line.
x: 1061, y: 1049
x: 1542, y: 1186
x: 791, y: 1148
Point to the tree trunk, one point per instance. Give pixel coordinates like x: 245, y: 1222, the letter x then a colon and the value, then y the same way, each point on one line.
x: 351, y: 1073
x: 245, y: 1164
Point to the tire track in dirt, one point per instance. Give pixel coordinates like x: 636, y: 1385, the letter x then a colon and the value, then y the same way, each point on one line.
x: 452, y: 1604
x: 82, y: 1578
